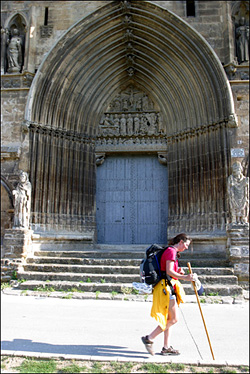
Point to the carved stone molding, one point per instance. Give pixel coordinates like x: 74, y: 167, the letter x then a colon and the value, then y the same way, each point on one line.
x: 235, y: 71
x: 13, y: 81
x: 65, y: 134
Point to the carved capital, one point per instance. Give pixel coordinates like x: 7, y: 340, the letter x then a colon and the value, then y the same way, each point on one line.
x: 100, y: 158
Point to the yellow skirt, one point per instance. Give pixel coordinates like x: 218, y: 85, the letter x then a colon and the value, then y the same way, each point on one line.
x: 160, y: 305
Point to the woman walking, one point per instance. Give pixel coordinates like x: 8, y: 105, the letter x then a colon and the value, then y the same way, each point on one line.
x: 168, y: 294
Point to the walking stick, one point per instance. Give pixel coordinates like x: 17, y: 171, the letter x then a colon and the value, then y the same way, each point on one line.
x: 197, y: 297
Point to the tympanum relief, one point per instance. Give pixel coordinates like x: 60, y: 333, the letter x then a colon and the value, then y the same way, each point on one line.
x: 131, y: 117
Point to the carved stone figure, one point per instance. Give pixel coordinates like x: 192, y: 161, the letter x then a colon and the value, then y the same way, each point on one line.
x: 238, y: 193
x: 242, y: 41
x: 123, y: 129
x: 130, y: 121
x: 14, y: 52
x: 136, y: 125
x: 22, y: 200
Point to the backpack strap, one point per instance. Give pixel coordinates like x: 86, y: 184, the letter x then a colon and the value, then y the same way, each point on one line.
x: 168, y: 278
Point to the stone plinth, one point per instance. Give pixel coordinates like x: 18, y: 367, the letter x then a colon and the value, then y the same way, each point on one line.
x: 17, y: 243
x: 238, y: 250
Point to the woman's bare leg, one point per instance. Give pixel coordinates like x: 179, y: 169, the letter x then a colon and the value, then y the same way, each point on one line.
x: 172, y: 319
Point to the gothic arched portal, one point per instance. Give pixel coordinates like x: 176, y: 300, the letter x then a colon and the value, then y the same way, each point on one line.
x: 143, y: 45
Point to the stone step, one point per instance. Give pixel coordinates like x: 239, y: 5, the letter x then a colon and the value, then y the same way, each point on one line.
x: 111, y: 269
x: 120, y: 261
x: 112, y: 278
x: 210, y: 290
x: 123, y: 254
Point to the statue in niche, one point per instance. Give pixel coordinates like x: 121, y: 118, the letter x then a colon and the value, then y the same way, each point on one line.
x: 117, y: 103
x: 22, y: 200
x: 116, y: 120
x: 139, y: 105
x: 108, y: 121
x: 145, y: 102
x: 125, y: 104
x: 130, y: 121
x: 242, y: 41
x: 123, y: 122
x: 136, y: 125
x: 14, y: 52
x: 238, y: 193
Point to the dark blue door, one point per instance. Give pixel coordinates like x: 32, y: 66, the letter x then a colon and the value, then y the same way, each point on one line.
x: 132, y: 200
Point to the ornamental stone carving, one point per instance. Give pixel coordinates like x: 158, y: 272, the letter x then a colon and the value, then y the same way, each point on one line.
x: 22, y: 200
x: 242, y: 41
x: 238, y: 193
x: 131, y: 120
x: 14, y: 52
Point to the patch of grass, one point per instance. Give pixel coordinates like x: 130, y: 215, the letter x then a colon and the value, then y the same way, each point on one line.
x: 126, y: 290
x: 114, y: 293
x: 88, y: 280
x: 73, y: 289
x: 103, y: 280
x: 5, y: 285
x: 228, y: 370
x: 22, y: 280
x: 155, y: 368
x: 245, y: 369
x: 24, y: 292
x: 119, y: 367
x: 97, y: 367
x: 135, y: 292
x: 177, y: 367
x: 97, y: 293
x: 213, y: 294
x: 202, y: 300
x: 69, y: 296
x: 35, y: 366
x: 14, y: 275
x: 73, y: 368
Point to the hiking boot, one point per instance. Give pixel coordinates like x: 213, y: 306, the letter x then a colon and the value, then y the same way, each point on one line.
x: 169, y: 351
x: 148, y: 344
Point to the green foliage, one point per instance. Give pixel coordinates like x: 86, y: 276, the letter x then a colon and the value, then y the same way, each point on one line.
x: 155, y: 368
x: 35, y: 366
x: 5, y: 285
x: 97, y: 293
x: 119, y: 367
x: 73, y: 368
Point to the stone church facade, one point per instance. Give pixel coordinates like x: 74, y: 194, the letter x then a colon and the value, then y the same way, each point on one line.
x: 127, y: 117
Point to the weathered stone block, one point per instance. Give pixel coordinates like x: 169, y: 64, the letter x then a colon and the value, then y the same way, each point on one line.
x: 17, y: 243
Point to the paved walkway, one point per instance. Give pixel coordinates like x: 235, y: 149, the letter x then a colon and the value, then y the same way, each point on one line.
x: 112, y: 330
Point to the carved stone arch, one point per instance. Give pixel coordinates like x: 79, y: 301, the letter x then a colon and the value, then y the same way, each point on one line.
x: 162, y: 54
x: 19, y: 22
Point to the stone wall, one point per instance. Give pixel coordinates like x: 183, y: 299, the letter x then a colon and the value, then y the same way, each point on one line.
x: 213, y: 20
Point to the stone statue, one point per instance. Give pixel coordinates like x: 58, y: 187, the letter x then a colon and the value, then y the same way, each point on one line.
x: 14, y: 52
x: 238, y: 193
x: 22, y: 200
x: 242, y: 41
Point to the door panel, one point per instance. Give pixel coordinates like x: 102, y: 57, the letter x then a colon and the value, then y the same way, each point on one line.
x: 132, y: 200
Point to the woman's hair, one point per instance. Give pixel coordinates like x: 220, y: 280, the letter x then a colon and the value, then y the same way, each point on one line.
x: 178, y: 238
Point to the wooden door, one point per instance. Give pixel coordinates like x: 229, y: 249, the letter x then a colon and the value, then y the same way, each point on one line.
x: 132, y: 200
